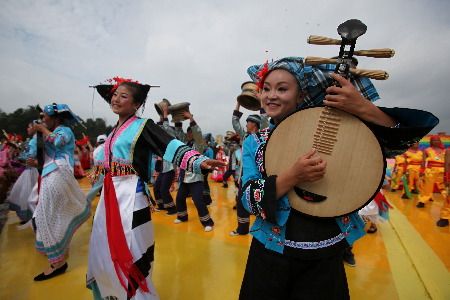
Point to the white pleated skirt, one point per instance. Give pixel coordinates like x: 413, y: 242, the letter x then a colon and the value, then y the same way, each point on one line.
x: 138, y: 229
x: 22, y: 189
x: 62, y: 208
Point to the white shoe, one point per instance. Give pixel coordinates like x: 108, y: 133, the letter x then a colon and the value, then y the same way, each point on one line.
x: 234, y: 233
x: 208, y: 228
x: 177, y: 221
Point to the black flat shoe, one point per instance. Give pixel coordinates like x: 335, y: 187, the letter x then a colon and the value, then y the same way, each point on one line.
x: 442, y: 222
x: 56, y: 272
x: 372, y: 230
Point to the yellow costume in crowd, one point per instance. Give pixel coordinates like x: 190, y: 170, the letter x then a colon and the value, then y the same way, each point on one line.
x: 397, y: 174
x: 414, y: 160
x: 445, y: 210
x: 433, y: 174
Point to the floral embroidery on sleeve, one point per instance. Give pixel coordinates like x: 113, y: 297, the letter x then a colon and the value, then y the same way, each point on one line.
x: 58, y: 139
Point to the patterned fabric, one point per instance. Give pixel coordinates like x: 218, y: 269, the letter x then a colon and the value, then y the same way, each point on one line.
x: 315, y: 245
x: 314, y: 79
x: 197, y: 144
x: 23, y: 187
x: 195, y: 189
x: 62, y: 206
x: 136, y: 220
x: 128, y: 156
x: 31, y: 149
x: 377, y: 210
x: 63, y: 111
x: 59, y: 145
x: 259, y: 191
x: 258, y: 198
x: 21, y: 190
x: 62, y: 209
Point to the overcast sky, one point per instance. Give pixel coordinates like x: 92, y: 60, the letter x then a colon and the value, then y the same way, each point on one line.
x: 199, y: 51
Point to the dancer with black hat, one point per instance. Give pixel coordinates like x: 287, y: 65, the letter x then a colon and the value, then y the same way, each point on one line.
x: 62, y: 206
x: 122, y: 241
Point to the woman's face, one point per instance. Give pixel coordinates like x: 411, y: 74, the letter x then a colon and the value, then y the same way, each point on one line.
x: 30, y: 129
x: 435, y: 142
x: 280, y: 94
x: 251, y: 127
x: 49, y: 121
x: 122, y: 102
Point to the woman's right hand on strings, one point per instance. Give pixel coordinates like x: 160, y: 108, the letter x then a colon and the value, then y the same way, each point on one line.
x: 307, y: 168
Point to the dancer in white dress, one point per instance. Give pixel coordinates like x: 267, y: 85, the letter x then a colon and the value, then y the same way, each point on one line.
x: 122, y: 241
x: 23, y: 187
x: 62, y: 206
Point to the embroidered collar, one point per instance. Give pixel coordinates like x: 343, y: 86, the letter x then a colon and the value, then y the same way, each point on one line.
x: 110, y: 141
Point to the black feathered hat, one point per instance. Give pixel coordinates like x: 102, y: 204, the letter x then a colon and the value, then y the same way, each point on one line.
x: 107, y: 90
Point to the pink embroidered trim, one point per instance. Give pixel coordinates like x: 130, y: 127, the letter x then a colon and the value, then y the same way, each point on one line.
x: 110, y: 141
x: 186, y: 158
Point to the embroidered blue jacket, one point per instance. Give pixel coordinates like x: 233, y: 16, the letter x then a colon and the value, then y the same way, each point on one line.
x: 59, y: 145
x: 258, y: 191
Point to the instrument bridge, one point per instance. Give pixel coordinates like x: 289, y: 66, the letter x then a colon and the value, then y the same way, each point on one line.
x: 327, y: 129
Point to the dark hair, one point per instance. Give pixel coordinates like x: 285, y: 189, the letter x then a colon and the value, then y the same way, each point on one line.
x: 61, y: 119
x: 139, y: 96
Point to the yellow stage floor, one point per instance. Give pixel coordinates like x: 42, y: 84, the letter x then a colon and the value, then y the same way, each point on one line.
x: 407, y: 258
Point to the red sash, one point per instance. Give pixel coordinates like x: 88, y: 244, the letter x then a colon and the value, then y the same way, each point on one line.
x: 120, y: 254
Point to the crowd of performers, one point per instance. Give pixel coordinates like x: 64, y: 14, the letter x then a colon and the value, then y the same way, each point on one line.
x: 140, y: 153
x: 423, y: 171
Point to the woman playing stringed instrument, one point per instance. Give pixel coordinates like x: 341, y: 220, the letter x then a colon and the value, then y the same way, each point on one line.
x: 294, y: 255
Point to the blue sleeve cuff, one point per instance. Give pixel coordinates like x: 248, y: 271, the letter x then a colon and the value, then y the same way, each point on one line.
x: 197, y: 162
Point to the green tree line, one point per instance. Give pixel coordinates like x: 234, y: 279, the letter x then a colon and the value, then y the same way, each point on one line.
x: 17, y: 123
